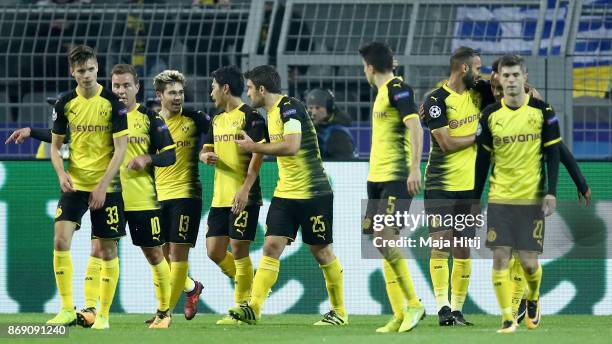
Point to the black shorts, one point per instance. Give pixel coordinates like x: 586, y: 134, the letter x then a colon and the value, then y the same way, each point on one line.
x: 518, y: 226
x: 385, y: 198
x: 181, y: 220
x: 450, y: 210
x: 315, y: 216
x: 107, y: 222
x: 222, y: 222
x: 145, y: 227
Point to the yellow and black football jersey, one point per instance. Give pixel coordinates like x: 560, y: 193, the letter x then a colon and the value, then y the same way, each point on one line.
x: 390, y: 153
x: 233, y: 164
x: 460, y: 113
x: 301, y: 176
x: 182, y: 179
x: 93, y: 123
x: 148, y: 134
x: 516, y: 138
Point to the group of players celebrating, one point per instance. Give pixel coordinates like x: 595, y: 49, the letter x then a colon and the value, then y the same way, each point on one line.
x: 474, y: 124
x: 131, y: 165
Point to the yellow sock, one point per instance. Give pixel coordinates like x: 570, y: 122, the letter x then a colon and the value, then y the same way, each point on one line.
x: 460, y: 280
x: 62, y: 267
x: 394, y: 292
x: 399, y: 266
x: 502, y: 287
x: 189, y: 283
x: 334, y: 284
x: 178, y: 274
x: 267, y: 273
x: 517, y: 276
x: 533, y: 281
x: 109, y: 276
x: 161, y: 280
x: 438, y: 269
x: 228, y: 266
x: 92, y: 282
x: 243, y: 279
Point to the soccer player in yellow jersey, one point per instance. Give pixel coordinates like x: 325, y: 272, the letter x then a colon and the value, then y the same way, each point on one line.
x: 149, y: 145
x: 232, y: 219
x: 394, y: 176
x: 303, y: 197
x: 517, y: 275
x: 178, y: 186
x: 451, y: 113
x: 98, y: 129
x: 518, y: 133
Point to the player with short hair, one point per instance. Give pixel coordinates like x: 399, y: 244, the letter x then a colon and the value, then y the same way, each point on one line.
x: 518, y: 132
x: 234, y: 213
x: 394, y: 176
x: 303, y: 196
x: 451, y: 113
x: 519, y: 285
x: 178, y: 186
x: 98, y: 126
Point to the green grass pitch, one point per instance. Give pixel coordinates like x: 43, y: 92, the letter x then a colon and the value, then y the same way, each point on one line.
x: 298, y: 329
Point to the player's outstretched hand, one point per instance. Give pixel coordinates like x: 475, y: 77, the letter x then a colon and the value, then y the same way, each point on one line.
x: 549, y: 205
x: 209, y: 158
x: 139, y: 162
x: 246, y: 143
x: 97, y: 198
x: 586, y: 197
x: 66, y: 183
x: 240, y: 201
x: 414, y: 182
x: 19, y: 135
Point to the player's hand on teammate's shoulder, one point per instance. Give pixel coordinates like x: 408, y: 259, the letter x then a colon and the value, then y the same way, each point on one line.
x: 209, y: 158
x: 586, y: 197
x: 139, y: 162
x: 246, y: 143
x: 66, y: 182
x: 19, y: 135
x: 549, y: 204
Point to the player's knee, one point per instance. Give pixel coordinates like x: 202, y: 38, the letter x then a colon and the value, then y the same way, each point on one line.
x: 240, y: 249
x: 96, y: 249
x: 179, y: 252
x: 461, y: 252
x: 530, y: 265
x: 324, y: 255
x: 61, y: 243
x: 272, y: 249
x: 216, y: 255
x: 154, y: 255
x: 108, y: 249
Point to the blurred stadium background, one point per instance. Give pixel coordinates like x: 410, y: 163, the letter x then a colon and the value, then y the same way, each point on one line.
x: 567, y: 45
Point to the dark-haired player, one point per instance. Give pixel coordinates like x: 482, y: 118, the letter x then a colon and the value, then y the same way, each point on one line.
x: 451, y: 113
x: 519, y: 132
x: 303, y: 197
x: 394, y: 176
x: 232, y: 219
x: 98, y: 127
